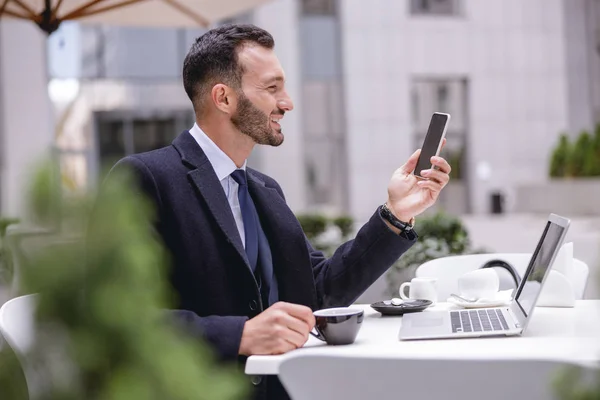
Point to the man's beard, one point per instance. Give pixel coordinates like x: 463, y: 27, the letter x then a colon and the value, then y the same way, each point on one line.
x: 254, y: 123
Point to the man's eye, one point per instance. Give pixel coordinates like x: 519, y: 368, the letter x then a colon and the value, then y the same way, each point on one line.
x: 273, y: 87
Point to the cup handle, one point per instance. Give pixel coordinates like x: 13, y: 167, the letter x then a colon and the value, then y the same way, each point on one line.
x: 317, y: 335
x: 401, y: 290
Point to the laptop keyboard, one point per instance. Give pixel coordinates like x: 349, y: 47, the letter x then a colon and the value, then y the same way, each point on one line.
x: 483, y: 320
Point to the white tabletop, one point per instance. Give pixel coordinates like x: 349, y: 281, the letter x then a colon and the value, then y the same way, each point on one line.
x: 571, y: 334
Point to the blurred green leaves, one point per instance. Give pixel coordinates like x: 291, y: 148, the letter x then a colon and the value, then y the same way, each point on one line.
x: 326, y: 233
x: 440, y: 235
x: 576, y: 383
x: 578, y: 159
x: 102, y: 331
x: 313, y: 225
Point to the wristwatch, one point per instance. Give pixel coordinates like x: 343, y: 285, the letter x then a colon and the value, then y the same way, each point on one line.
x: 404, y: 227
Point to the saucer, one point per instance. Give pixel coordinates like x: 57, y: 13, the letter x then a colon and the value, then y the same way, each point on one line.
x: 502, y: 298
x: 408, y: 306
x: 479, y: 304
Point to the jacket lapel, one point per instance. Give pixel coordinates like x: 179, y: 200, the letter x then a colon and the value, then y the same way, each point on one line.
x: 204, y: 179
x: 291, y: 260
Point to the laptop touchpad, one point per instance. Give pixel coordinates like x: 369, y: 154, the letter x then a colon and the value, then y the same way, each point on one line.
x: 427, y: 322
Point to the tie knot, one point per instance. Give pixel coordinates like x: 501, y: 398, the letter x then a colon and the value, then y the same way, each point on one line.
x: 239, y: 175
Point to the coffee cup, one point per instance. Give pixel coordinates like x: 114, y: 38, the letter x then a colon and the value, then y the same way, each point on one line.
x: 420, y: 289
x: 479, y: 284
x: 337, y: 326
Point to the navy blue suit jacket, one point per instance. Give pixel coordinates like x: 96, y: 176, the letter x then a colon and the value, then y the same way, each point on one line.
x: 210, y: 274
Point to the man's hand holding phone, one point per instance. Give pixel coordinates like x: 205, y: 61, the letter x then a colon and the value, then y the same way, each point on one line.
x: 409, y: 196
x: 415, y: 186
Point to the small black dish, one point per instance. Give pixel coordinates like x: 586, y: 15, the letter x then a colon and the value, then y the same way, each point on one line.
x: 406, y: 307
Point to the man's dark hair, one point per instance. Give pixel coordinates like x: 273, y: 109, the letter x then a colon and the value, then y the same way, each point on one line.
x: 213, y: 59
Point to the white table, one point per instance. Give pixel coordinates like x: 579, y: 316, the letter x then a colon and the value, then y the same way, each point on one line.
x: 570, y: 334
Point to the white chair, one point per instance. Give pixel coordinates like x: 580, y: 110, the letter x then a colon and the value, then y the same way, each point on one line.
x: 16, y: 322
x: 316, y: 377
x: 17, y: 327
x: 447, y: 270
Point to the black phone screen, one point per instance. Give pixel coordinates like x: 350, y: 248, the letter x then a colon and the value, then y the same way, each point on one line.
x: 431, y: 142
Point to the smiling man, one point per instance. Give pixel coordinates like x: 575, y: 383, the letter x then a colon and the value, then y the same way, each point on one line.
x: 246, y: 278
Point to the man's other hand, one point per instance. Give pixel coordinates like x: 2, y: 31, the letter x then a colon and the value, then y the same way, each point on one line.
x: 277, y: 330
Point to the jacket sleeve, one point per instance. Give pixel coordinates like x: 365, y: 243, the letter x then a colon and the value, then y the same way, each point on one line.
x: 356, y: 264
x: 224, y: 333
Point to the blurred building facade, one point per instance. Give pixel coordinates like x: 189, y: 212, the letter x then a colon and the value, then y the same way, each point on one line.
x: 365, y: 77
x: 26, y: 120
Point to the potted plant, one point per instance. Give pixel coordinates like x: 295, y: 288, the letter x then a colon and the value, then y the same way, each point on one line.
x: 440, y: 235
x: 574, y: 184
x: 326, y: 233
x: 100, y: 330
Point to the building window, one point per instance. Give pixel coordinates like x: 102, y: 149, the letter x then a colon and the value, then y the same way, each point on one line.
x: 323, y: 113
x: 111, y: 142
x: 319, y: 7
x: 150, y: 134
x: 121, y: 133
x: 434, y: 7
x: 415, y: 105
x: 442, y: 98
x: 431, y: 95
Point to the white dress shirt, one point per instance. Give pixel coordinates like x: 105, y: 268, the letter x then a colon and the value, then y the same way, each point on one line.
x: 223, y: 166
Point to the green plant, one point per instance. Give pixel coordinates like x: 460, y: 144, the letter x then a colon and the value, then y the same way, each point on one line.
x: 102, y: 329
x: 446, y: 228
x: 581, y: 159
x: 318, y: 230
x: 440, y: 235
x: 560, y: 157
x: 576, y: 166
x: 571, y: 384
x: 345, y: 225
x: 590, y: 162
x: 313, y: 225
x: 596, y: 151
x: 6, y: 266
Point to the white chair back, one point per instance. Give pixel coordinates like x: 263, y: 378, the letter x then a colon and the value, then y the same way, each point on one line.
x: 447, y: 270
x: 17, y: 323
x: 316, y: 377
x: 17, y: 326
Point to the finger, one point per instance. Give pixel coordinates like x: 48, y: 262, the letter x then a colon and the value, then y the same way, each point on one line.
x: 282, y: 346
x: 431, y: 185
x: 443, y: 143
x: 297, y: 325
x: 436, y: 175
x: 299, y: 311
x: 441, y: 164
x: 292, y: 340
x: 410, y: 165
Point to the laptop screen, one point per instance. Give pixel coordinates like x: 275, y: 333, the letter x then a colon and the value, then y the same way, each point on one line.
x: 539, y: 264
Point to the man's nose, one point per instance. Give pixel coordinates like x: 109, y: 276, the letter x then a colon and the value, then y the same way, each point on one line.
x: 286, y: 103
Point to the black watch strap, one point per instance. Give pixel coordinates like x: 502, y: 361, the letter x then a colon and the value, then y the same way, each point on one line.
x: 391, y: 218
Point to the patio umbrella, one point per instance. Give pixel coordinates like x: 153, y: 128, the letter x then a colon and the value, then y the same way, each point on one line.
x: 48, y: 14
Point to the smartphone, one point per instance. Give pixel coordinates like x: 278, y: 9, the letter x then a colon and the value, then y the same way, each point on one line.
x: 433, y: 141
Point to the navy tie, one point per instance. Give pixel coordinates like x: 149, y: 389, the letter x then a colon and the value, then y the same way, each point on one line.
x: 250, y: 218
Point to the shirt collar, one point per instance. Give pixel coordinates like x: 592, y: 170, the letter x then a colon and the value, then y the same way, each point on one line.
x: 221, y: 163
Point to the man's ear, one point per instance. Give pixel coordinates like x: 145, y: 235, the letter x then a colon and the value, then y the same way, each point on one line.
x: 224, y: 98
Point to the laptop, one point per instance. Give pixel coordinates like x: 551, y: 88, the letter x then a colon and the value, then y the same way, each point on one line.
x: 496, y: 321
